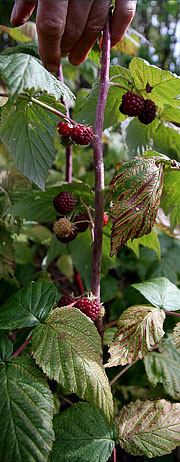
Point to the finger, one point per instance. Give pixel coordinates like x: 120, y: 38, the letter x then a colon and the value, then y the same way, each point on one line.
x: 78, y: 12
x: 122, y: 17
x: 95, y: 23
x: 22, y: 11
x: 50, y: 22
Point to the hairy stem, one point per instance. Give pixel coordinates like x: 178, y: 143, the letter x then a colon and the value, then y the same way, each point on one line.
x: 68, y: 148
x: 98, y: 163
x: 21, y: 347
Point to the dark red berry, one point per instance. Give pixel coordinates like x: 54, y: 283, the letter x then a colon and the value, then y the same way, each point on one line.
x: 70, y: 238
x: 89, y: 307
x: 133, y: 104
x: 64, y: 128
x: 65, y: 300
x: 64, y: 203
x: 149, y: 112
x: 106, y: 219
x: 121, y: 109
x: 81, y: 134
x: 81, y: 222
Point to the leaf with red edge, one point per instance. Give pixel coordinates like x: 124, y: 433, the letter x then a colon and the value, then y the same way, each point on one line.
x: 150, y: 428
x: 140, y: 328
x: 136, y: 197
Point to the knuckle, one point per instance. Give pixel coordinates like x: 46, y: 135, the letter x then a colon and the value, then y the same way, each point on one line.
x: 51, y: 27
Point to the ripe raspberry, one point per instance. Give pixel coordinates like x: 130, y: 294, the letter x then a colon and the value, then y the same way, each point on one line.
x: 149, y: 112
x: 64, y: 203
x: 121, y: 109
x: 62, y: 227
x: 83, y: 225
x: 133, y: 104
x: 64, y: 129
x: 106, y: 219
x: 89, y: 307
x: 65, y: 300
x: 81, y: 134
x: 70, y: 238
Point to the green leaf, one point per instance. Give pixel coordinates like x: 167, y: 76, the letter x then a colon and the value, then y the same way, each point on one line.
x: 67, y: 346
x: 166, y: 139
x: 39, y: 234
x: 6, y: 346
x: 149, y: 240
x: 56, y: 249
x: 139, y: 136
x: 29, y: 306
x: 82, y: 260
x: 65, y: 265
x: 171, y: 116
x: 161, y: 293
x: 29, y: 48
x: 170, y: 201
x: 164, y: 367
x: 26, y: 412
x: 28, y: 131
x: 150, y: 428
x: 139, y: 329
x: 22, y: 72
x: 166, y: 86
x: 82, y: 434
x: 136, y: 197
x: 109, y: 288
x: 6, y: 255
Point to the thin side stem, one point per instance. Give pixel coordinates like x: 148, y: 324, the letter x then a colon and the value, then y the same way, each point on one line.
x: 68, y: 148
x: 91, y: 220
x: 172, y: 313
x: 51, y: 109
x: 98, y: 162
x: 114, y: 454
x: 78, y: 281
x: 122, y: 372
x: 21, y: 347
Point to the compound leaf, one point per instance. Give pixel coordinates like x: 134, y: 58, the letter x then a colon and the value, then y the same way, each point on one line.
x: 150, y: 428
x: 139, y: 329
x: 67, y: 346
x: 170, y: 201
x: 164, y: 367
x: 161, y: 293
x: 26, y: 407
x: 22, y: 72
x: 28, y: 306
x: 82, y: 434
x: 136, y: 197
x: 6, y: 255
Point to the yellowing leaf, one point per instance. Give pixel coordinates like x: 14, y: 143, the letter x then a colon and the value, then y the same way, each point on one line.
x: 140, y: 328
x: 150, y: 428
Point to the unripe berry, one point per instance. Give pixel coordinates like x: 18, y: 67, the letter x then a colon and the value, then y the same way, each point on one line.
x: 62, y: 228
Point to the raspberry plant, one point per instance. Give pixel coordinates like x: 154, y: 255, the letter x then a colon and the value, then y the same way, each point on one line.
x: 60, y: 398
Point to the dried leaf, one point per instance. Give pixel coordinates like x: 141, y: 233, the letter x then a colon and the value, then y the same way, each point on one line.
x: 140, y: 328
x: 136, y: 197
x: 150, y: 428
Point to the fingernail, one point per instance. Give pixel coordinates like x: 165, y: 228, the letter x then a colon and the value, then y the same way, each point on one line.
x: 50, y: 67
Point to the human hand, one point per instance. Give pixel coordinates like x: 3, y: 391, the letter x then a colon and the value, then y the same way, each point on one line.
x: 72, y: 27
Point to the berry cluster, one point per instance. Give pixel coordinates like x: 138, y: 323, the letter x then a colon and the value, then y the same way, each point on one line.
x: 134, y: 105
x: 64, y: 229
x: 88, y: 306
x: 77, y: 133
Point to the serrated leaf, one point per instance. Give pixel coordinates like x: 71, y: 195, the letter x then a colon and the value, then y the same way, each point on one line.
x: 82, y: 434
x: 148, y: 240
x: 26, y: 407
x: 161, y: 293
x: 138, y: 136
x: 6, y: 346
x: 28, y: 131
x: 164, y: 367
x: 167, y: 140
x: 166, y: 85
x: 29, y: 306
x: 170, y: 201
x: 29, y: 48
x: 67, y: 346
x: 139, y: 329
x: 150, y: 428
x: 22, y: 72
x: 136, y: 197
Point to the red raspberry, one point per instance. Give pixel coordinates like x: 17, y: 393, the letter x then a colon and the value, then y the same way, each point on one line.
x: 81, y: 134
x: 65, y: 300
x: 106, y: 219
x: 149, y: 112
x: 83, y: 225
x: 132, y: 103
x: 64, y: 203
x: 70, y: 238
x: 64, y: 129
x: 89, y: 307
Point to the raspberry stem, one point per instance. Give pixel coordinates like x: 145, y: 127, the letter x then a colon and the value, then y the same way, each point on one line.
x: 99, y: 166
